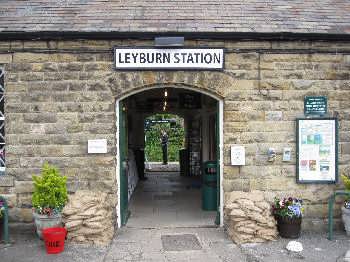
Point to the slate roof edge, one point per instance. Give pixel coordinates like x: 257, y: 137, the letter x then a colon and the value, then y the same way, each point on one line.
x: 76, y: 35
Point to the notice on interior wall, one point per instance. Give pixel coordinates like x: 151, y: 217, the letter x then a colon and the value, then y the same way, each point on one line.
x: 97, y: 146
x: 317, y: 150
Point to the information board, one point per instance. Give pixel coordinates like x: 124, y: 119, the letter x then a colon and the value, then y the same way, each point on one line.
x: 317, y: 150
x: 315, y: 105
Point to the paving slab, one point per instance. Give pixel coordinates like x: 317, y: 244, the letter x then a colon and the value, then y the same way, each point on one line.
x: 184, y: 244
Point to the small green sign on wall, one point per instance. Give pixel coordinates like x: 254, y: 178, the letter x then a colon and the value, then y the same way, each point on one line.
x: 315, y: 105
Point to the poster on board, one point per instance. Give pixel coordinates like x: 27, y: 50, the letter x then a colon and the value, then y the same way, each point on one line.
x: 317, y: 150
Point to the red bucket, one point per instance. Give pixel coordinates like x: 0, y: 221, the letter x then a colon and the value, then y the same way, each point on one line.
x: 54, y: 239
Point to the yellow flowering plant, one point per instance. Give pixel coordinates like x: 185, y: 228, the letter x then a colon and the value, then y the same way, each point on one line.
x: 346, y: 180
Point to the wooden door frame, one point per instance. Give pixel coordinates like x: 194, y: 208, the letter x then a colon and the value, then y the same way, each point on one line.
x: 221, y: 139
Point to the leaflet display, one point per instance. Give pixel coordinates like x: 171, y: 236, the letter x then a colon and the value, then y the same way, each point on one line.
x: 317, y: 150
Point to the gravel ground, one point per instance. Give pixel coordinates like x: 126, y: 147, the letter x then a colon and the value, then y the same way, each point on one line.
x: 316, y: 248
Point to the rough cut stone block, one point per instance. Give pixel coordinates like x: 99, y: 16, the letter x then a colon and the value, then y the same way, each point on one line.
x: 11, y: 199
x: 6, y: 181
x: 21, y: 214
x: 5, y: 58
x: 61, y: 57
x: 35, y: 44
x: 30, y: 57
x: 24, y: 187
x: 273, y: 116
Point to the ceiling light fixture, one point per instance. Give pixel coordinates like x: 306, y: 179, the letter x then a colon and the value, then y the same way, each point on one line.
x: 169, y: 41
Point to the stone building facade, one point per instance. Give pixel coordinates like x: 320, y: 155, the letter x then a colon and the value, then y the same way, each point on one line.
x: 59, y: 94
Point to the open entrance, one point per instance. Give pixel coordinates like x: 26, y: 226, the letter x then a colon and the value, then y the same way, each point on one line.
x: 169, y: 166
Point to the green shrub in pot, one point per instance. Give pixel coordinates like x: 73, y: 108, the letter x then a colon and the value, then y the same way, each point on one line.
x: 49, y: 198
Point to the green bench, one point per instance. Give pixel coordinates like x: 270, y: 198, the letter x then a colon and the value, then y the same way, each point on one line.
x: 5, y: 218
x: 330, y: 210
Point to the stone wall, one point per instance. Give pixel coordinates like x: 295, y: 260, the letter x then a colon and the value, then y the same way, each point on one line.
x: 59, y: 94
x: 261, y: 114
x: 55, y: 102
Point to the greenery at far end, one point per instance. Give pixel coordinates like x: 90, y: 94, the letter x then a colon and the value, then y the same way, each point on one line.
x: 176, y: 136
x: 50, y: 191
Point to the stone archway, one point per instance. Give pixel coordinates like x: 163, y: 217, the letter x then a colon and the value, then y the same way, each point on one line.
x: 169, y: 86
x: 216, y: 84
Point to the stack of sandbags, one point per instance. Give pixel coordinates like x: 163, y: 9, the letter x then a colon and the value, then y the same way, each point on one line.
x: 248, y: 217
x: 88, y: 218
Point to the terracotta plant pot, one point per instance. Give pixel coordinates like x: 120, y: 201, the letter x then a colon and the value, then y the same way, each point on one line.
x: 43, y: 221
x: 289, y: 227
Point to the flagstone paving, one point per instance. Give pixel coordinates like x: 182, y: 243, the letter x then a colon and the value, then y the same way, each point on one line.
x: 133, y: 244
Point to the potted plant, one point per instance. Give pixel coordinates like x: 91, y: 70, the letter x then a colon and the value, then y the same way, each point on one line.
x: 346, y: 207
x: 288, y: 213
x: 49, y: 198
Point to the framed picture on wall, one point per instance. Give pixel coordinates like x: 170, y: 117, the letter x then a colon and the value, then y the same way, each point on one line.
x: 317, y: 150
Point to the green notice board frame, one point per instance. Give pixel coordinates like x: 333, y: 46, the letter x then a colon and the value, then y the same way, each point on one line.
x: 317, y: 150
x: 315, y: 105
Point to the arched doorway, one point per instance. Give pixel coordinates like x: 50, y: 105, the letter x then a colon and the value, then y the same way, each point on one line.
x: 204, y: 119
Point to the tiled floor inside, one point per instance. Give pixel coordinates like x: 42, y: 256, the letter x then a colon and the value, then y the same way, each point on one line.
x: 167, y: 199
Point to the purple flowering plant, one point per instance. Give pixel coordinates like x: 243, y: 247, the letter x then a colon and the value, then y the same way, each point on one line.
x: 288, y: 207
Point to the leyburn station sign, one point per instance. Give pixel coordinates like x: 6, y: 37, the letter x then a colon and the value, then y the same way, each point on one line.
x: 177, y: 59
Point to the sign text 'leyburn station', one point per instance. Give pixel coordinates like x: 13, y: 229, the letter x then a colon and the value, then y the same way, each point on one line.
x: 169, y: 58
